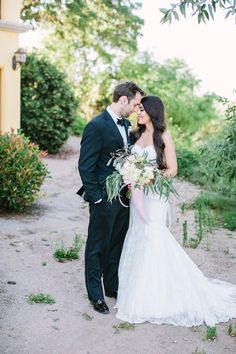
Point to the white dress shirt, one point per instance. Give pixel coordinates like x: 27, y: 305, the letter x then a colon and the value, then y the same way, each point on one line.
x: 119, y: 127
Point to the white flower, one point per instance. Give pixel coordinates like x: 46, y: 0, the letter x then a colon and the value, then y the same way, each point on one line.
x: 126, y: 165
x: 148, y: 172
x: 118, y: 166
x: 131, y: 158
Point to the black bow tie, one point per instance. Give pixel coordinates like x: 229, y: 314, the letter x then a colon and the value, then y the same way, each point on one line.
x: 121, y: 121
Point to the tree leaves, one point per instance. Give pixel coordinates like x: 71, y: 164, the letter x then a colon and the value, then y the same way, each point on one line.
x: 203, y: 9
x: 98, y: 25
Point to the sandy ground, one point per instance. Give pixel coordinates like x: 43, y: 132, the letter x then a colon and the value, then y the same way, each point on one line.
x: 27, y: 240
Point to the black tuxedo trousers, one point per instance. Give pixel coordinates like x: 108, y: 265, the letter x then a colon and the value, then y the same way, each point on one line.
x: 108, y: 222
x: 107, y: 229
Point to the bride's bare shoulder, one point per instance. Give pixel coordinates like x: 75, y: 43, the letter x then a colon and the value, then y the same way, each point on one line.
x: 166, y: 136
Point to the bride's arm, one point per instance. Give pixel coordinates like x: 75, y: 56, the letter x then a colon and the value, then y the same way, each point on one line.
x: 170, y: 155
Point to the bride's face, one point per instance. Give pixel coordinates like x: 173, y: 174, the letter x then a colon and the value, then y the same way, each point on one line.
x: 143, y: 117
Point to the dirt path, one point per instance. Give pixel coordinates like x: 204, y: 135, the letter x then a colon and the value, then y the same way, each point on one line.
x: 28, y: 240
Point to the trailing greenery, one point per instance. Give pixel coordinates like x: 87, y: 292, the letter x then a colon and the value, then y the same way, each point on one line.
x: 48, y: 103
x: 40, y: 299
x: 62, y: 254
x: 22, y: 171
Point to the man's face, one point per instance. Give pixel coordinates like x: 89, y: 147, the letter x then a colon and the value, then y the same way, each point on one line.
x: 133, y: 105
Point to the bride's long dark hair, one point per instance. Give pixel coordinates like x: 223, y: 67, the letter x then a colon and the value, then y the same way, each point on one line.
x: 155, y: 108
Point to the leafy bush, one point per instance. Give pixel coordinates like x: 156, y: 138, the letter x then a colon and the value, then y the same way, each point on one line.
x: 48, y: 104
x: 22, y: 171
x: 214, y: 164
x: 188, y: 162
x: 219, y: 157
x: 78, y: 126
x: 224, y: 208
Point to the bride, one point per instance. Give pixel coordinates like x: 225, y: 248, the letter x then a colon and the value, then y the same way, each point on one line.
x: 158, y: 282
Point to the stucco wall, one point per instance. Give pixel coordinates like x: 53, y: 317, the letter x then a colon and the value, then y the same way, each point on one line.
x: 10, y: 79
x: 10, y: 10
x: 10, y: 83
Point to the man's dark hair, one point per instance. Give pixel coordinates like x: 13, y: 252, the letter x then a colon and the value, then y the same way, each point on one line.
x: 128, y: 89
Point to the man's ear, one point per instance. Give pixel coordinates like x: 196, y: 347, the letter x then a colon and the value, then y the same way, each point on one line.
x: 123, y: 99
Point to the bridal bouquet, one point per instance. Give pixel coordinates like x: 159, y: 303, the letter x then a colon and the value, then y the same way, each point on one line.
x: 138, y: 173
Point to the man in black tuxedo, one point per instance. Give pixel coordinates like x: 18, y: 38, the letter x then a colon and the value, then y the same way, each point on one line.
x: 108, y: 223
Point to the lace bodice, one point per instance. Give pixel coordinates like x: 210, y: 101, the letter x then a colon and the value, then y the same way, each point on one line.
x: 149, y: 149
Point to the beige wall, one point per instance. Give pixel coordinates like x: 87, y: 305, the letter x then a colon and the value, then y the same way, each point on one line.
x: 10, y: 10
x: 10, y: 83
x: 10, y: 79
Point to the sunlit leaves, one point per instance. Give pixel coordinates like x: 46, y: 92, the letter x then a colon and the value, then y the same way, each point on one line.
x: 203, y: 9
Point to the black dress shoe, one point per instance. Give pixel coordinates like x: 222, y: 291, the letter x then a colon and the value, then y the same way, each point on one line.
x: 111, y: 294
x: 100, y: 306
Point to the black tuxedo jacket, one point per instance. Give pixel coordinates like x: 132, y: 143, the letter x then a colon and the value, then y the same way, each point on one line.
x: 101, y: 137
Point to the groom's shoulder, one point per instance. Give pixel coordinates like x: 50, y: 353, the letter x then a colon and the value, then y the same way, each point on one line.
x: 98, y: 119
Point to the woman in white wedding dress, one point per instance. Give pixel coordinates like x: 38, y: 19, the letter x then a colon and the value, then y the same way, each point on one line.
x: 158, y: 282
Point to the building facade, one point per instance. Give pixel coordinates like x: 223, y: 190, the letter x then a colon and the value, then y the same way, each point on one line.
x: 10, y: 29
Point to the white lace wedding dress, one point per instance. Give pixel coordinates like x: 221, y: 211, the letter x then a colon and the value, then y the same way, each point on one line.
x: 158, y: 282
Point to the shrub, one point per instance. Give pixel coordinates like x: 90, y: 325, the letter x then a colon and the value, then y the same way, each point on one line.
x: 78, y: 126
x: 188, y: 162
x: 22, y: 171
x: 223, y: 207
x: 219, y: 155
x: 48, y: 104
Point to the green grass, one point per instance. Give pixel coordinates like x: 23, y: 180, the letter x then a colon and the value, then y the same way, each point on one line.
x: 87, y: 317
x: 62, y: 254
x: 124, y: 325
x: 232, y: 330
x: 224, y: 208
x: 198, y: 351
x: 185, y: 233
x: 40, y: 299
x: 211, y: 333
x: 184, y: 206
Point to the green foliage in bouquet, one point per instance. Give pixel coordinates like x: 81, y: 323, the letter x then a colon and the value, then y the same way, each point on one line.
x: 48, y: 104
x: 22, y: 171
x: 114, y: 184
x: 139, y: 172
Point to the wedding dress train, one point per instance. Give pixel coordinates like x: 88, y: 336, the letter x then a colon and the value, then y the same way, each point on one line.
x: 158, y: 282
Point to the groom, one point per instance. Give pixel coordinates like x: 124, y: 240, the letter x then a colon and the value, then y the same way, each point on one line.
x: 108, y: 223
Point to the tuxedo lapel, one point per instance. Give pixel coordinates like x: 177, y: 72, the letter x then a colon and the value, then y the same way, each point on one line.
x: 126, y: 125
x: 113, y: 129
